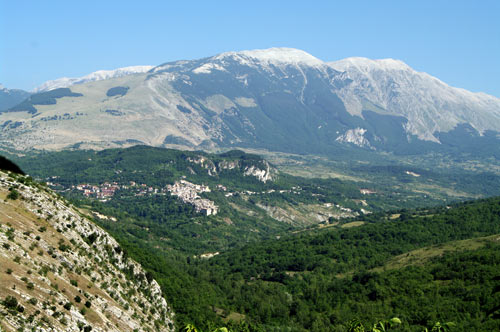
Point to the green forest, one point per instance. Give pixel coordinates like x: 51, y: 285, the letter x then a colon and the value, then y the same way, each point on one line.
x: 321, y: 280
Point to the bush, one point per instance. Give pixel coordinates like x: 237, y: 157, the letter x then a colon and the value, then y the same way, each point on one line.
x: 92, y: 238
x: 10, y: 302
x: 88, y: 304
x: 13, y: 195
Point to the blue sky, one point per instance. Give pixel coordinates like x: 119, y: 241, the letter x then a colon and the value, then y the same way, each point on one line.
x: 456, y: 41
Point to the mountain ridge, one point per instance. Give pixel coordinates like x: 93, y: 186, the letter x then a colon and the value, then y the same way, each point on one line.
x: 65, y: 82
x: 279, y: 99
x: 373, y: 76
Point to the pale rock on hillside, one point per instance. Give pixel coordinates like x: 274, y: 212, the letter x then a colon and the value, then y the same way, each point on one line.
x: 430, y: 105
x: 61, y: 272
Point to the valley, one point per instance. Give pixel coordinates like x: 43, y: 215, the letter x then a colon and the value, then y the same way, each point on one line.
x: 282, y: 251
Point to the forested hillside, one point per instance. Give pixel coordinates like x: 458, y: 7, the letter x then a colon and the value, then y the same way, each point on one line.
x: 423, y: 266
x: 253, y: 199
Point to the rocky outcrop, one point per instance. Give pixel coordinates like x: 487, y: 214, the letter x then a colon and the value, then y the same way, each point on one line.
x: 355, y: 136
x: 264, y: 174
x: 61, y: 272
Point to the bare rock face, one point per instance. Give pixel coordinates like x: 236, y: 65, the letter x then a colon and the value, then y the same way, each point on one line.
x: 429, y: 105
x: 356, y: 137
x: 264, y: 174
x: 61, y: 272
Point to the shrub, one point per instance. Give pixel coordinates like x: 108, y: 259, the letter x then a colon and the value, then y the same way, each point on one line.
x: 10, y: 302
x: 13, y: 195
x: 92, y: 238
x: 64, y: 247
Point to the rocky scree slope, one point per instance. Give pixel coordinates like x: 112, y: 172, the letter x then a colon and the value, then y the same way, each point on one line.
x: 61, y: 272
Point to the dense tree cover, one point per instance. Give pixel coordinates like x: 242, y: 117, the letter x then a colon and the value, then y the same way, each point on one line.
x: 43, y: 98
x: 367, y: 246
x: 117, y: 91
x: 320, y: 280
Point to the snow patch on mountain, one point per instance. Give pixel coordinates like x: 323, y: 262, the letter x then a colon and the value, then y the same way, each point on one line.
x: 65, y: 82
x: 276, y: 56
x: 207, y: 68
x: 367, y: 65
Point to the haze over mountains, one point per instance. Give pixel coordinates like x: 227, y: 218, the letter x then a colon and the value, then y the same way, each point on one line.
x: 11, y: 97
x: 278, y: 99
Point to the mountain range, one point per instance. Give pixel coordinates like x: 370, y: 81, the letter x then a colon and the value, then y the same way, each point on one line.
x: 279, y: 99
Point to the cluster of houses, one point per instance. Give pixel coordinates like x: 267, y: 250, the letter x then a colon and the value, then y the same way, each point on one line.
x: 188, y: 193
x: 102, y: 192
x: 105, y: 191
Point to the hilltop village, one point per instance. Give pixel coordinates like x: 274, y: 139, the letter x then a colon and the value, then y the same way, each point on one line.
x: 185, y: 191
